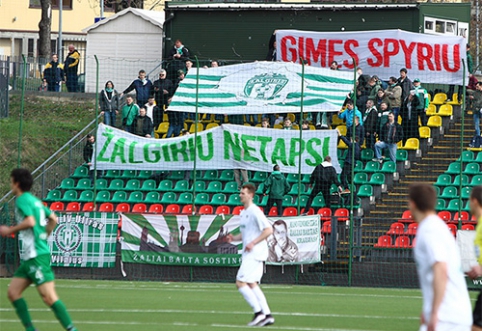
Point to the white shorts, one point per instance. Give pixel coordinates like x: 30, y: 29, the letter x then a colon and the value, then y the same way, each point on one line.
x: 250, y: 271
x: 445, y: 326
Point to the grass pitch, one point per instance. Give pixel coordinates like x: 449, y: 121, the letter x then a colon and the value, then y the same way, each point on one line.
x: 143, y: 306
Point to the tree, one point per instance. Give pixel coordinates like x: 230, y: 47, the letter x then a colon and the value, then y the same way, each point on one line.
x: 45, y: 29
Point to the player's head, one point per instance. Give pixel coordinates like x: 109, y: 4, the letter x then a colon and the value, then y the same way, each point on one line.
x: 476, y: 201
x: 280, y: 230
x: 422, y: 199
x: 247, y: 194
x: 21, y: 181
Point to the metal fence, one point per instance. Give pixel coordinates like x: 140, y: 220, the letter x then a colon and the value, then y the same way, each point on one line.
x: 4, y: 86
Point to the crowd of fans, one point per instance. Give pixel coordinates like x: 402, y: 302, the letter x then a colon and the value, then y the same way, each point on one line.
x: 55, y: 74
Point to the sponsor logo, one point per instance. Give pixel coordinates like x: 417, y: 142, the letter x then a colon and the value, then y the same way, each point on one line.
x: 265, y: 86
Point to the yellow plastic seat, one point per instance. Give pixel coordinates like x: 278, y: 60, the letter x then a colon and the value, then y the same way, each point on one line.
x: 434, y: 121
x: 439, y: 99
x: 342, y: 145
x: 424, y: 132
x: 412, y: 144
x: 455, y: 100
x: 431, y: 110
x: 278, y: 126
x: 162, y: 128
x: 211, y: 125
x: 335, y: 120
x: 200, y: 127
x: 445, y: 110
x: 342, y: 129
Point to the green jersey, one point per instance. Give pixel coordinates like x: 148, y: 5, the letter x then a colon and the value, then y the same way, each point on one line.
x: 33, y: 240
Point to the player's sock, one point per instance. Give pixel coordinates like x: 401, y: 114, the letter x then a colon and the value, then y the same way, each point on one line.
x: 22, y: 312
x: 261, y: 299
x: 250, y: 297
x: 62, y: 315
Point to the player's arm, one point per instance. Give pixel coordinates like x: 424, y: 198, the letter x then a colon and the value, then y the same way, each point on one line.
x: 52, y: 223
x: 27, y: 223
x: 237, y: 237
x: 439, y: 285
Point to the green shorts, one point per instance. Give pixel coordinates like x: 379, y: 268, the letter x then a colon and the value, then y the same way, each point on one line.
x: 38, y: 270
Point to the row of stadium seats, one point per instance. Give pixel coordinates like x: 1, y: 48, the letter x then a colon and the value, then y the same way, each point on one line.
x: 447, y: 180
x: 446, y: 215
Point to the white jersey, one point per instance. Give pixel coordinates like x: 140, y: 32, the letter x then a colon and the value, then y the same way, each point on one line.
x: 435, y: 243
x: 150, y: 111
x: 253, y: 222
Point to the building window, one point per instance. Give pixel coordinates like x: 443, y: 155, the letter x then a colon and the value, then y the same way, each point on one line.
x: 440, y: 26
x: 67, y: 4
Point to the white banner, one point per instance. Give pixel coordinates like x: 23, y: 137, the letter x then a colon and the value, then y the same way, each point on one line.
x: 432, y: 59
x: 224, y: 147
x: 262, y: 87
x: 201, y: 240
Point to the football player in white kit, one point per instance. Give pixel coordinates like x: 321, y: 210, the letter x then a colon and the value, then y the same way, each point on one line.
x: 255, y: 228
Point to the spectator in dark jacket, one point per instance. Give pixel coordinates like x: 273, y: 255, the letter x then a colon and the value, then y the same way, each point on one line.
x: 370, y: 122
x: 143, y: 88
x: 54, y: 74
x: 272, y: 48
x: 391, y: 134
x: 276, y: 186
x: 179, y: 55
x: 88, y: 153
x: 71, y: 67
x: 359, y: 130
x: 109, y: 103
x: 409, y: 113
x: 322, y: 177
x: 163, y: 90
x: 405, y: 83
x: 142, y: 125
x: 348, y: 163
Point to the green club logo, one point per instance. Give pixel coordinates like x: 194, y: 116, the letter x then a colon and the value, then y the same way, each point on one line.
x: 68, y: 237
x: 265, y: 86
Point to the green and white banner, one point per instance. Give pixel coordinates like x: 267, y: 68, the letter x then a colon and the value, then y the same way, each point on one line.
x: 224, y: 147
x: 84, y: 240
x: 201, y: 240
x: 262, y: 87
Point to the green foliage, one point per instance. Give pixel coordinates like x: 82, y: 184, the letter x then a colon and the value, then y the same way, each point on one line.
x: 49, y: 121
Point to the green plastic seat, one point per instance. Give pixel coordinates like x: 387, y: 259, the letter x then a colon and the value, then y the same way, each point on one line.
x: 303, y: 199
x: 144, y: 174
x: 444, y: 180
x: 136, y: 197
x: 113, y: 174
x: 465, y: 180
x: 201, y: 199
x: 365, y: 191
x: 128, y: 174
x: 119, y: 197
x: 372, y: 166
x: 181, y: 186
x: 81, y: 172
x: 176, y: 175
x: 200, y: 186
x: 440, y: 205
x: 472, y: 168
x: 402, y: 155
x: 214, y: 187
x: 211, y: 175
x: 101, y: 184
x: 295, y: 189
x: 453, y: 205
x: 259, y: 176
x: 116, y: 185
x: 86, y: 196
x: 367, y: 154
x: 341, y: 153
x: 465, y: 194
x: 168, y: 198
x: 133, y: 185
x: 69, y: 195
x: 287, y: 200
x: 54, y: 195
x: 449, y: 192
x: 234, y: 200
x: 231, y: 187
x: 292, y: 178
x: 102, y: 196
x: 67, y: 184
x: 227, y: 175
x: 479, y: 158
x: 467, y: 156
x: 165, y: 185
x: 306, y: 178
x: 185, y: 198
x: 218, y: 199
x: 149, y: 185
x: 360, y: 178
x: 476, y: 180
x: 389, y: 167
x: 437, y: 190
x: 260, y: 188
x: 453, y: 169
x: 152, y: 197
x: 263, y: 201
x: 377, y: 179
x: 318, y: 202
x: 358, y: 166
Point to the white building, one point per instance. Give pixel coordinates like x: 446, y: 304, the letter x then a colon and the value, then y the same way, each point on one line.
x: 124, y: 43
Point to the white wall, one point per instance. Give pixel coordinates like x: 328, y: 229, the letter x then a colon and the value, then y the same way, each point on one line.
x: 123, y: 46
